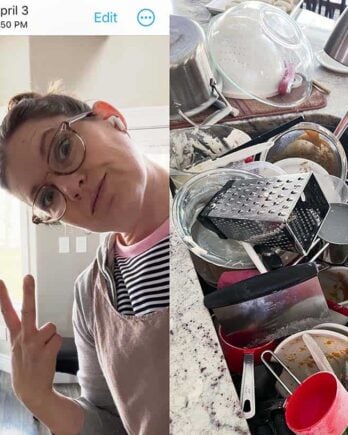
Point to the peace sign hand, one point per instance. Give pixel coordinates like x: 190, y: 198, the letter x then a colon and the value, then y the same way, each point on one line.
x: 34, y: 351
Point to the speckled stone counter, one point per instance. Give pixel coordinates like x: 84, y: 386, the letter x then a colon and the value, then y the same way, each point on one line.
x: 203, y: 399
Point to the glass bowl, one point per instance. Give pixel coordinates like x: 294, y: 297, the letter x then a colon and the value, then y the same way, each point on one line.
x: 189, y: 201
x: 262, y: 54
x: 313, y: 142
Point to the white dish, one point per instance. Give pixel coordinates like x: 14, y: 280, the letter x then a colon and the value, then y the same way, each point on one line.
x: 340, y: 329
x: 297, y: 165
x: 295, y: 355
x: 335, y: 190
x: 331, y: 64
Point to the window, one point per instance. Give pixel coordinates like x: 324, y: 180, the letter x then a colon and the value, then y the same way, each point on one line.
x: 10, y: 245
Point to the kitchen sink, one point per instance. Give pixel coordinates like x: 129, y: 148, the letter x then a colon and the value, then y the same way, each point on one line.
x: 269, y: 418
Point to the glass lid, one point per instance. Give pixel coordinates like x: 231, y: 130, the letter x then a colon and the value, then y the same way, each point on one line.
x: 262, y: 54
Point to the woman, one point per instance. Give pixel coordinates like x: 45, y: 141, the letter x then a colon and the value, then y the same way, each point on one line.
x: 77, y: 164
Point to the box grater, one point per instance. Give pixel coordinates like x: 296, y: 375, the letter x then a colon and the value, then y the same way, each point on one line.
x: 283, y: 212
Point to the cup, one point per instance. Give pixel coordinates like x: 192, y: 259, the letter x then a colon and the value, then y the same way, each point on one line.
x: 318, y: 406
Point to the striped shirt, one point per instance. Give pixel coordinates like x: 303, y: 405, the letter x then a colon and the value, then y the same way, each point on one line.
x: 142, y: 280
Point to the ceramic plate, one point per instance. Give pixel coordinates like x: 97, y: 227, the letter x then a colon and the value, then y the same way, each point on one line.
x: 335, y: 327
x: 294, y: 353
x: 331, y: 64
x: 297, y: 165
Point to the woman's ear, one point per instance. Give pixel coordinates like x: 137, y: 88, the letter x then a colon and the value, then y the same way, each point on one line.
x: 107, y: 111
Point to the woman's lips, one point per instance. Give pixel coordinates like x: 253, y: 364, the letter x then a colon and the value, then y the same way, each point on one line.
x: 98, y: 193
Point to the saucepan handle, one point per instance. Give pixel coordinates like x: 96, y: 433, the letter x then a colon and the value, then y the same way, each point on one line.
x: 247, y: 391
x: 215, y: 117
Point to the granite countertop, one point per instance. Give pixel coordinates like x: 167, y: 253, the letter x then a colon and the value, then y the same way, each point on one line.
x: 203, y: 399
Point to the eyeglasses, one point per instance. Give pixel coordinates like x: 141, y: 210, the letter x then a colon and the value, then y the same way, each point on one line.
x: 66, y: 154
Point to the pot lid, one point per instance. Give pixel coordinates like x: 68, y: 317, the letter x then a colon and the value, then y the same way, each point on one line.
x: 262, y: 54
x: 185, y: 36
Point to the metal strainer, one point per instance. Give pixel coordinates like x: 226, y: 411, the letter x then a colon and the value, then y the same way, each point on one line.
x: 283, y: 212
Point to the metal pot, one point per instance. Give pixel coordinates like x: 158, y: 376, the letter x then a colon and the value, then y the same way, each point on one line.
x: 335, y: 254
x: 337, y: 44
x: 194, y: 83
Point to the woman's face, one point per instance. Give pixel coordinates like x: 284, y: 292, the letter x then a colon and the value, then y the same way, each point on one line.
x: 105, y: 194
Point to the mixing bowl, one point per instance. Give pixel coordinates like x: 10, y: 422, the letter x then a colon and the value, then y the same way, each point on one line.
x: 261, y: 53
x: 207, y: 248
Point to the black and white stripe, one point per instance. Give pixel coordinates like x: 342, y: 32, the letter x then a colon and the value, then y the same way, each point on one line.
x: 142, y: 282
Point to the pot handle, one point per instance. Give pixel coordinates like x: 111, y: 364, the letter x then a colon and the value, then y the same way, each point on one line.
x: 220, y: 114
x: 217, y: 115
x: 247, y: 390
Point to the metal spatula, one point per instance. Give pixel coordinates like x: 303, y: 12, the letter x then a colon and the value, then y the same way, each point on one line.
x: 272, y: 305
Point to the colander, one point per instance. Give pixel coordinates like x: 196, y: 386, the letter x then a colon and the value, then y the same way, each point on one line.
x: 262, y: 54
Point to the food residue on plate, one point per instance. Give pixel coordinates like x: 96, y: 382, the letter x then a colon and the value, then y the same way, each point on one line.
x: 311, y: 145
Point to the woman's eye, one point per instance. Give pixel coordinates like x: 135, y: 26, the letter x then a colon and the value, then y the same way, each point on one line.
x: 62, y: 149
x: 46, y: 199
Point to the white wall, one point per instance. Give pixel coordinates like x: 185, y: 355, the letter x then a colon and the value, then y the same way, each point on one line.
x: 14, y: 66
x: 56, y: 273
x: 131, y: 71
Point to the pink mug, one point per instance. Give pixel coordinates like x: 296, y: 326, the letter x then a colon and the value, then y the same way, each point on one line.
x: 318, y: 405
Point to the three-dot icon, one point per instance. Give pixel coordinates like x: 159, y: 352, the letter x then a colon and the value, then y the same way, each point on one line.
x: 146, y: 17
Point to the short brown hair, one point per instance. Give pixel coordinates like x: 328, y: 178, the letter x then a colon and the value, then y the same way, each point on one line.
x: 29, y: 105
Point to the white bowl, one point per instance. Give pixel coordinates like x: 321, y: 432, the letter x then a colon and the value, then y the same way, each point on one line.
x: 295, y: 355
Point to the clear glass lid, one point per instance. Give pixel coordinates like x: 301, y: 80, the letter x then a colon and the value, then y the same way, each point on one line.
x: 262, y: 54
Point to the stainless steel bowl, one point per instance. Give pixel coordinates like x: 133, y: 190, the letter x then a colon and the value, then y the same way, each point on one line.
x: 321, y: 146
x: 190, y: 69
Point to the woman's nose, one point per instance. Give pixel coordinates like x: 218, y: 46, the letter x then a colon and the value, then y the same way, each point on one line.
x: 70, y: 185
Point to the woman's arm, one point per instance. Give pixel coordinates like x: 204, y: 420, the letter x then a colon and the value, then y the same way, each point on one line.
x: 62, y: 415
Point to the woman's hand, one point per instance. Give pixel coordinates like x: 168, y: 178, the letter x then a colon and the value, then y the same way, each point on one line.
x: 34, y: 350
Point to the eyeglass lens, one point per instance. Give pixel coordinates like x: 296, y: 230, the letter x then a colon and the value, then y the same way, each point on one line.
x: 66, y: 156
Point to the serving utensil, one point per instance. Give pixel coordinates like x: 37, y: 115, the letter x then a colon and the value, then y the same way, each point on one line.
x: 252, y: 147
x: 317, y: 354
